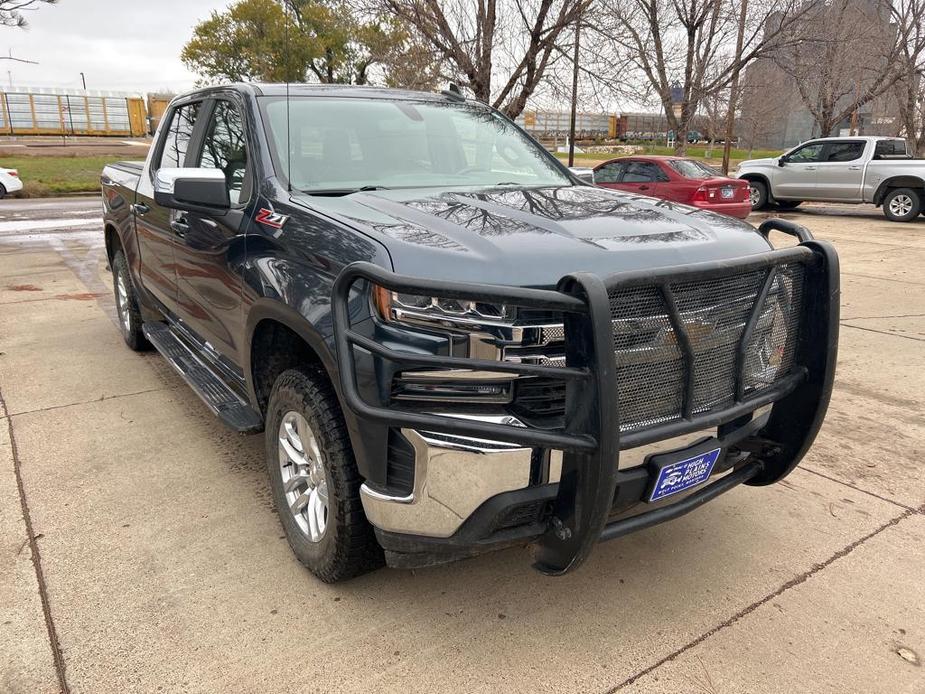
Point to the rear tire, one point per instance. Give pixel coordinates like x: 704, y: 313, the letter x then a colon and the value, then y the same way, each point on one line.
x: 314, y: 478
x: 789, y: 204
x: 127, y: 305
x: 902, y: 205
x: 758, y: 194
x: 2, y: 191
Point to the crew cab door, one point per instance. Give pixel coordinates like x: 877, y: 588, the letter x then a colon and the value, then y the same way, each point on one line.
x: 841, y: 170
x: 796, y: 179
x: 153, y: 224
x: 210, y: 247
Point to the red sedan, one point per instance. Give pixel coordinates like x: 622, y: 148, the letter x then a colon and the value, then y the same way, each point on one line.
x: 677, y: 179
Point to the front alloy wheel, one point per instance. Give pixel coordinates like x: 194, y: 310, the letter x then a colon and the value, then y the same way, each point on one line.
x: 757, y: 195
x: 314, y: 477
x: 302, y: 471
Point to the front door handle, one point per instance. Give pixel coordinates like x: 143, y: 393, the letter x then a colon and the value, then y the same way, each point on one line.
x: 810, y: 168
x: 643, y: 187
x: 180, y: 226
x: 140, y: 209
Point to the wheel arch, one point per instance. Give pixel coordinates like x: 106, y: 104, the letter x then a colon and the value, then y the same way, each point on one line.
x: 904, y: 181
x: 112, y: 239
x: 760, y: 178
x: 273, y: 329
x: 273, y: 325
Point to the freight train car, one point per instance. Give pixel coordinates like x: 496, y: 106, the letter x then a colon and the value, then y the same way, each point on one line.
x: 40, y: 111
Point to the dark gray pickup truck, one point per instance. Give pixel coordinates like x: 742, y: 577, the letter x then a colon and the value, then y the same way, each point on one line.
x: 451, y: 343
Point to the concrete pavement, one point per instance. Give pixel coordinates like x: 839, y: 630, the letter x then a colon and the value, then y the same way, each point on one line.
x: 155, y: 559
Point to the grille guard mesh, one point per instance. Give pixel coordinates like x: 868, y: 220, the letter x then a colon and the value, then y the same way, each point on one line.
x: 800, y: 284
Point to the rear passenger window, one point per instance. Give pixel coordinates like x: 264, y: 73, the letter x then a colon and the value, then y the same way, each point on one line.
x: 177, y: 136
x: 890, y: 149
x: 843, y: 151
x: 642, y: 172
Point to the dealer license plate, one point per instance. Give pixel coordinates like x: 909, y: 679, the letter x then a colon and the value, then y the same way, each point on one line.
x: 684, y: 474
x: 728, y: 192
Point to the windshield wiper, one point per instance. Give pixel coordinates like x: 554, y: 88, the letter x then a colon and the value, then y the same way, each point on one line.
x: 335, y: 192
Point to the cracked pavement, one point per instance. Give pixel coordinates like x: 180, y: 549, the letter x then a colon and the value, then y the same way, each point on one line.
x: 140, y: 549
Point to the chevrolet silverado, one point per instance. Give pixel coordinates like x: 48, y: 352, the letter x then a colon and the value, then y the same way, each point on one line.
x: 450, y: 342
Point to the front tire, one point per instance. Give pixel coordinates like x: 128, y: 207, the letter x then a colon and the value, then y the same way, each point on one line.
x: 127, y: 305
x: 2, y: 191
x: 902, y: 205
x: 758, y: 195
x: 314, y: 478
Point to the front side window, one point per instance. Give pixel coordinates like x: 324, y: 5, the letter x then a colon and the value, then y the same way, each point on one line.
x: 844, y: 151
x: 224, y: 148
x: 807, y: 153
x: 609, y: 173
x: 177, y: 136
x: 340, y: 145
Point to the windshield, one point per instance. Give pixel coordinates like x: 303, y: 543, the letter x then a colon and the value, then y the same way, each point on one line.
x: 339, y: 146
x: 692, y: 169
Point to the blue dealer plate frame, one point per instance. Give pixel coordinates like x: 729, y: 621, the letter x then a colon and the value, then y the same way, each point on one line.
x: 679, y: 476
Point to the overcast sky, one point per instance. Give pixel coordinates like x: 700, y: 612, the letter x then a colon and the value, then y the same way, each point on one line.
x: 124, y: 45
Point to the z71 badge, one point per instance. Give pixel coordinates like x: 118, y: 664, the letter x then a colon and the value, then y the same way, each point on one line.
x: 271, y: 218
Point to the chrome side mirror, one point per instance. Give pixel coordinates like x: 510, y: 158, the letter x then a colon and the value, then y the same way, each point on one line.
x: 192, y: 190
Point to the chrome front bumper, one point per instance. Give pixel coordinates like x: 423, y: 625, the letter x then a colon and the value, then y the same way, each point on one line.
x: 454, y: 475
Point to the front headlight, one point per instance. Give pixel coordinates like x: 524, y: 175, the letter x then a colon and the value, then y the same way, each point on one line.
x: 415, y: 308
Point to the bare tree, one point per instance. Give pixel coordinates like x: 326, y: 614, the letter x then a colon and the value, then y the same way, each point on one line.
x: 11, y: 11
x: 682, y: 49
x: 513, y: 41
x: 909, y: 95
x: 848, y: 53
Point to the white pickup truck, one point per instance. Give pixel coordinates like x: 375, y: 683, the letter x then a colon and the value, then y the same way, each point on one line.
x: 875, y: 170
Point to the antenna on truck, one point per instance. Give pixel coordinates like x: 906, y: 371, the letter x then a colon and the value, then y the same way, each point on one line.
x: 288, y: 130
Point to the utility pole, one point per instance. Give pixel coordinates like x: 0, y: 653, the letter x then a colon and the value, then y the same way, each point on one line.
x: 571, y: 135
x: 84, y: 80
x: 734, y: 88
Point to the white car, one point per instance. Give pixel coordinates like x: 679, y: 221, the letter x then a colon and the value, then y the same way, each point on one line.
x: 9, y: 181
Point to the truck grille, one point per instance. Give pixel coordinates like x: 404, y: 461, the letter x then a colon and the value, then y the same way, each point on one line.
x: 651, y: 367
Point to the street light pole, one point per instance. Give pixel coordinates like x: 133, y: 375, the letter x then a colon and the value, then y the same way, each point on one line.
x: 571, y: 135
x: 84, y: 80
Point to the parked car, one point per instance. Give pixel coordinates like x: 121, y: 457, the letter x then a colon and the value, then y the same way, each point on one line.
x: 9, y: 181
x: 850, y: 170
x: 452, y: 344
x: 677, y: 179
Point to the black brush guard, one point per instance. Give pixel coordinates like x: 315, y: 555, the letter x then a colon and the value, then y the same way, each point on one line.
x: 591, y: 438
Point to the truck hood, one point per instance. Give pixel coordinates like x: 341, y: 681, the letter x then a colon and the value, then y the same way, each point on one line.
x: 534, y: 236
x: 752, y: 163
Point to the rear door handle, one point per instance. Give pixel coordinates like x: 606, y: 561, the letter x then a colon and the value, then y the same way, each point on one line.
x: 810, y: 168
x: 854, y: 168
x: 643, y: 187
x: 140, y: 209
